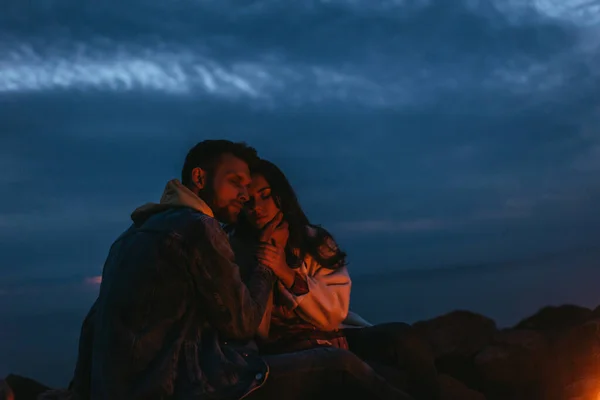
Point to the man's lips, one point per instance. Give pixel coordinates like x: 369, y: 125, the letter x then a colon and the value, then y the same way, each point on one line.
x: 237, y: 205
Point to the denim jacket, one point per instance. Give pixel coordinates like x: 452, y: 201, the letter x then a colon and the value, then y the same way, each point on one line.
x: 173, y: 319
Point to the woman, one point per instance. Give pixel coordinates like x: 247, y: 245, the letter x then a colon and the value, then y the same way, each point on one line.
x: 311, y: 300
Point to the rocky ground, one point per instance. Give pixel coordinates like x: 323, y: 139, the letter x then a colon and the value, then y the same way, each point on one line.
x: 552, y: 355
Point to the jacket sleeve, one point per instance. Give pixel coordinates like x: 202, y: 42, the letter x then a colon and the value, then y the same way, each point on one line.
x: 80, y: 384
x: 233, y: 307
x: 323, y: 296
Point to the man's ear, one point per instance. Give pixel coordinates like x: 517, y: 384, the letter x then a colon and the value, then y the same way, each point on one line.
x: 198, y: 178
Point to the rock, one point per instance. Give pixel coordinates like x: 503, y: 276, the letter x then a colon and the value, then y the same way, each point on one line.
x: 6, y: 392
x: 461, y: 368
x: 459, y: 333
x: 514, y: 364
x: 57, y: 394
x: 455, y: 339
x: 552, y: 355
x: 583, y: 389
x: 556, y: 319
x: 25, y: 388
x: 575, y: 363
x: 451, y: 389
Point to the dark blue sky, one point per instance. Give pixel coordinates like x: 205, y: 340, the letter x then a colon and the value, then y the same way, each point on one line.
x: 421, y: 133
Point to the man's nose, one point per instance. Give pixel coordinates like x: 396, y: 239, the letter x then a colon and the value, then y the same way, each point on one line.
x: 243, y: 195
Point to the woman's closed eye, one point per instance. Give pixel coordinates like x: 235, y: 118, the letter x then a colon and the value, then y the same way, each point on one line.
x: 265, y: 195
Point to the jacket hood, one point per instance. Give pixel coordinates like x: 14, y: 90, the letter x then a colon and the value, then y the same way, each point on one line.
x: 174, y: 195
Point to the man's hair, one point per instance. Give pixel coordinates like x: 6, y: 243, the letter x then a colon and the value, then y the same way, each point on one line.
x: 208, y: 153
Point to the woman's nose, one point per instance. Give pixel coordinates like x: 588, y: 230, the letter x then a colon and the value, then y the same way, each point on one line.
x: 250, y: 204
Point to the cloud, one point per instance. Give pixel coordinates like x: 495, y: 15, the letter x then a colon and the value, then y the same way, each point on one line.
x: 588, y: 159
x: 184, y: 73
x: 391, y: 116
x: 14, y: 169
x: 513, y: 209
x: 265, y: 79
x: 123, y: 70
x: 366, y: 227
x: 381, y: 69
x: 57, y: 294
x: 586, y: 12
x: 68, y: 217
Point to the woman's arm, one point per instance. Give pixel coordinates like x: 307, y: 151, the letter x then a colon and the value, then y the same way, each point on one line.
x: 319, y: 290
x: 322, y: 297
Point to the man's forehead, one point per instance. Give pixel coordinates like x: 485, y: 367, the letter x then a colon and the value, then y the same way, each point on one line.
x: 230, y: 164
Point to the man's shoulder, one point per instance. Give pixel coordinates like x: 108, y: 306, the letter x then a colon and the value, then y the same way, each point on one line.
x: 185, y: 217
x: 189, y: 227
x: 186, y: 213
x: 198, y: 225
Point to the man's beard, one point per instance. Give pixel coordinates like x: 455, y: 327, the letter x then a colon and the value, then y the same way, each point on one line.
x: 225, y: 215
x: 222, y: 213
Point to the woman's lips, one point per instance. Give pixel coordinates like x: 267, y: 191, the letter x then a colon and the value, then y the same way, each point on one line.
x: 259, y: 217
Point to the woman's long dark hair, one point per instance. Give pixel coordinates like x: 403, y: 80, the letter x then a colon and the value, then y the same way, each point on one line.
x: 305, y: 237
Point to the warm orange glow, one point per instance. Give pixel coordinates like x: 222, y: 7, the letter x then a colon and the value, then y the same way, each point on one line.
x: 94, y: 280
x: 5, y: 391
